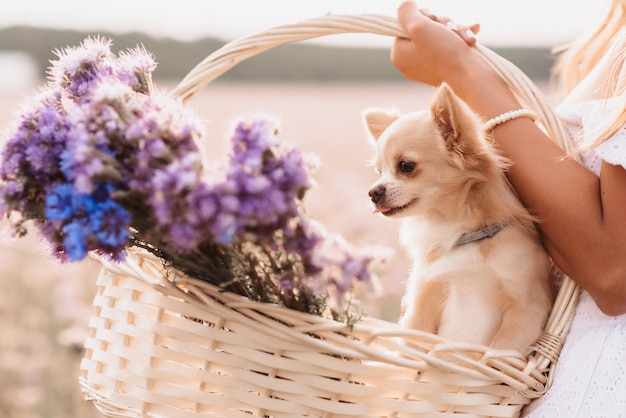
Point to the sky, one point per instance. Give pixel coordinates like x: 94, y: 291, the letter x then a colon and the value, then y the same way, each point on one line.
x: 503, y: 22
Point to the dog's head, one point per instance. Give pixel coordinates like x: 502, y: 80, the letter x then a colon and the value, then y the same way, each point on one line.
x: 428, y: 160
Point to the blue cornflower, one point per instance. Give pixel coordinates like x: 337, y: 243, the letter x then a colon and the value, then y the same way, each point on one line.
x: 75, y: 241
x: 61, y: 202
x: 88, y: 218
x: 110, y: 224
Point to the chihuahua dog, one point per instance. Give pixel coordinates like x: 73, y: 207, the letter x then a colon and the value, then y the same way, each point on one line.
x: 480, y: 273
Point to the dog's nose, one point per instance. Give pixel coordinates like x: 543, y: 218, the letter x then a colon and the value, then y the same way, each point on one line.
x: 376, y: 193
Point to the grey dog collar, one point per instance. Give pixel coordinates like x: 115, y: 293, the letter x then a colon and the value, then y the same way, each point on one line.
x: 488, y: 231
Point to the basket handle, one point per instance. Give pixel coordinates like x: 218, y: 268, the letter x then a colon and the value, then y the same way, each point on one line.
x: 241, y: 49
x: 231, y: 54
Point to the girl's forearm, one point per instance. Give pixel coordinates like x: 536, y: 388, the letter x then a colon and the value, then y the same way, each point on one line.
x: 582, y: 217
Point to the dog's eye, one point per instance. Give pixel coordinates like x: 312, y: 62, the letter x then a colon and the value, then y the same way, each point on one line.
x: 406, y: 167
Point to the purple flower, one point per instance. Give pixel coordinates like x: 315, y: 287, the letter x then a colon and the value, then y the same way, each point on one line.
x: 32, y: 151
x: 77, y: 69
x: 267, y: 185
x: 135, y: 69
x: 99, y: 161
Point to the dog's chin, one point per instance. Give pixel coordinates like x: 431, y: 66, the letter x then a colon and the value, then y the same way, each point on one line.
x: 397, y: 210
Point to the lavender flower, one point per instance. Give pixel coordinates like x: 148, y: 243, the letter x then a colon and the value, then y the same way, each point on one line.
x: 100, y: 162
x: 269, y: 179
x: 78, y: 69
x: 30, y: 157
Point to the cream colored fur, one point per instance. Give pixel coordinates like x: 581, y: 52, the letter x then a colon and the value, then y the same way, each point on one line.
x: 442, y: 177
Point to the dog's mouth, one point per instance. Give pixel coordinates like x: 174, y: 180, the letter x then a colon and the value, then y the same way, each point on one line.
x: 395, y: 210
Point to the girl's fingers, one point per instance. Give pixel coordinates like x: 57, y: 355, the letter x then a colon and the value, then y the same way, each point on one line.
x: 429, y: 14
x: 467, y: 33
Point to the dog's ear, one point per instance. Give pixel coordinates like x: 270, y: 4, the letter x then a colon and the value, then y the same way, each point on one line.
x: 377, y: 120
x: 456, y: 122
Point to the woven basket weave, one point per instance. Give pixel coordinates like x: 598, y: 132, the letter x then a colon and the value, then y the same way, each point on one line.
x: 164, y: 345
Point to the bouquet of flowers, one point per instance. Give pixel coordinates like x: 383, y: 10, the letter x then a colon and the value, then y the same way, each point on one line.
x: 100, y: 162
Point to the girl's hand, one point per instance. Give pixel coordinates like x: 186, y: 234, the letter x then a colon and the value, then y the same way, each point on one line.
x: 435, y: 48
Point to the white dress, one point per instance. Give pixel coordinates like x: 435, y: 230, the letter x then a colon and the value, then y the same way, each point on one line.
x: 590, y: 376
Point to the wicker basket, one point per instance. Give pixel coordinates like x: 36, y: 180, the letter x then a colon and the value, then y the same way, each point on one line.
x: 164, y: 345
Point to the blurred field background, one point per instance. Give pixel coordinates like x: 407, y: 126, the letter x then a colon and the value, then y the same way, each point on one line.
x: 45, y: 307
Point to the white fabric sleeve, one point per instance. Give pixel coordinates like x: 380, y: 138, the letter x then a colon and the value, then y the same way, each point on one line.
x: 590, y: 117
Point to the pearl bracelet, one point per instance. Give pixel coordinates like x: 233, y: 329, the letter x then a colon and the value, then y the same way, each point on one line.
x: 507, y: 116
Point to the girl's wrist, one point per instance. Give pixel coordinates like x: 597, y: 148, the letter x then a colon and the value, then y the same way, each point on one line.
x: 474, y: 81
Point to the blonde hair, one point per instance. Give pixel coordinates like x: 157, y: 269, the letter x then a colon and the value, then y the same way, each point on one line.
x: 576, y: 60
